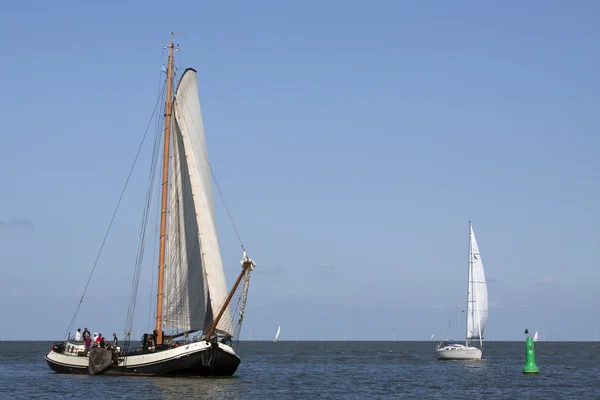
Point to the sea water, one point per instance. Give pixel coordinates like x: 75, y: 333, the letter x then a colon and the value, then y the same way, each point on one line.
x: 328, y: 370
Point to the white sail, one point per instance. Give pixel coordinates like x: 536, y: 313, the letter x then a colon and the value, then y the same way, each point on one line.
x: 477, y: 300
x: 195, y: 284
x: 536, y: 337
x: 184, y: 308
x: 277, y: 334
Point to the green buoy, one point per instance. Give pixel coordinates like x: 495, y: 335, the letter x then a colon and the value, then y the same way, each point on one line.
x: 530, y: 367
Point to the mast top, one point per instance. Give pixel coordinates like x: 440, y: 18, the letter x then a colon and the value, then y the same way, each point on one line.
x: 171, y: 44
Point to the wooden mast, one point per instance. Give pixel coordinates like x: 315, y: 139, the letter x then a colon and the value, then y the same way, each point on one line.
x: 165, y: 190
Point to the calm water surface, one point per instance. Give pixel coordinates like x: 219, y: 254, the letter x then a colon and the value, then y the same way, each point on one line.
x: 329, y: 370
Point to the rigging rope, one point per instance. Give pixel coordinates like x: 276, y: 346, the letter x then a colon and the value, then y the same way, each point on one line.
x: 112, y: 219
x: 152, y: 304
x: 142, y: 240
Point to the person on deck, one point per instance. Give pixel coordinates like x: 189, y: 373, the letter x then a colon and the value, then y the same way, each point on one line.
x: 115, y: 340
x: 86, y: 333
x: 451, y: 342
x: 88, y: 342
x: 102, y: 343
x: 99, y: 338
x: 145, y: 340
x: 78, y: 335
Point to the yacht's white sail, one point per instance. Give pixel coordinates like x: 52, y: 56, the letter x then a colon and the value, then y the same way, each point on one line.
x: 477, y: 300
x: 536, y: 336
x: 277, y: 334
x: 195, y: 284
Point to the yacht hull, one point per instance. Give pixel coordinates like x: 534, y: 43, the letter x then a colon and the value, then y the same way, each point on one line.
x: 458, y: 352
x: 194, y: 359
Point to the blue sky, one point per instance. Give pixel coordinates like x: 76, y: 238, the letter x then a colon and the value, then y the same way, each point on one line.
x: 353, y: 142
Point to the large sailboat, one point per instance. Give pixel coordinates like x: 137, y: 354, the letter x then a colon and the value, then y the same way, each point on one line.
x: 477, y: 311
x: 197, y: 319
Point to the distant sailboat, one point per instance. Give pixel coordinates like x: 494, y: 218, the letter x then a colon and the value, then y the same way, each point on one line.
x: 432, y: 335
x: 536, y: 337
x: 277, y: 334
x: 477, y: 310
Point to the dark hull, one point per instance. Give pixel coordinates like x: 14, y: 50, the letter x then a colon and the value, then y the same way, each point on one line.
x: 212, y: 362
